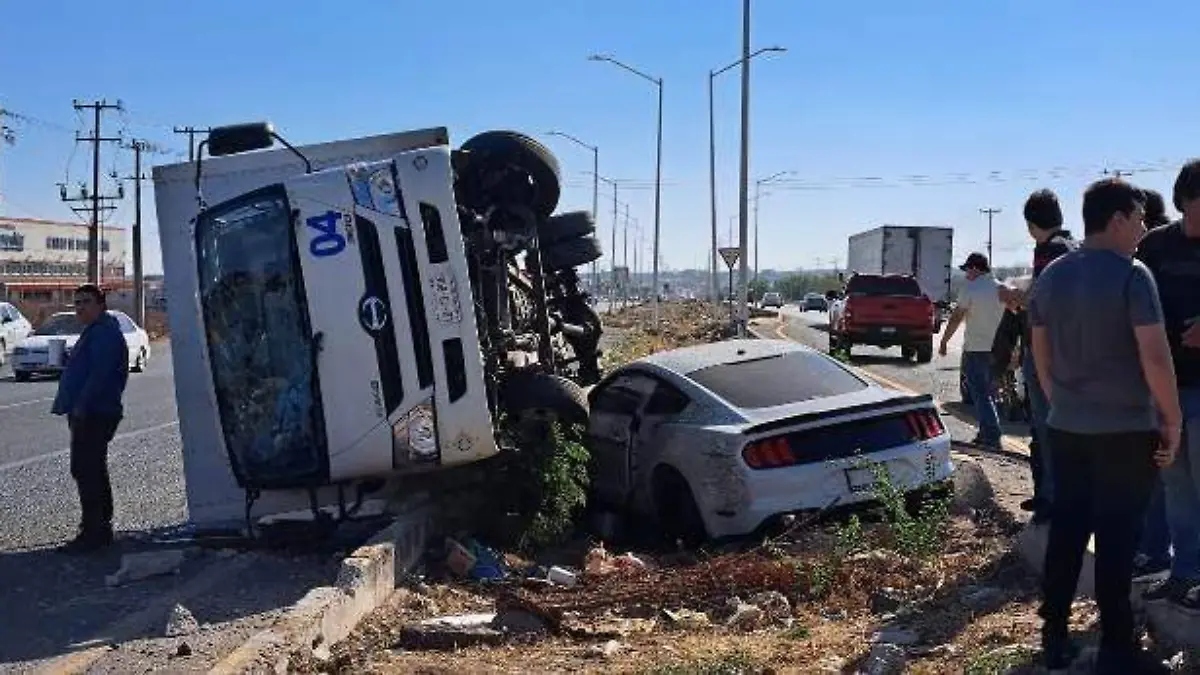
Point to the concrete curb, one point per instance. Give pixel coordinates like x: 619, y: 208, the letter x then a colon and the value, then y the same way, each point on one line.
x: 328, y: 614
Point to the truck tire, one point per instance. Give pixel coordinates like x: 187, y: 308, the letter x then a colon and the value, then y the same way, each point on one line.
x: 925, y: 351
x: 565, y: 226
x: 907, y: 352
x: 534, y: 396
x: 524, y: 153
x: 572, y: 253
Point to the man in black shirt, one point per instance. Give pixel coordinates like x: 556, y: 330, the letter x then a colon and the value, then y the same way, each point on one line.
x: 1043, y: 217
x: 1156, y: 209
x: 1172, y: 252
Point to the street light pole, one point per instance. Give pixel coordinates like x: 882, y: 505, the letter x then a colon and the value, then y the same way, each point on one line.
x: 657, y: 81
x: 595, y: 193
x: 744, y: 174
x: 757, y: 196
x: 712, y: 165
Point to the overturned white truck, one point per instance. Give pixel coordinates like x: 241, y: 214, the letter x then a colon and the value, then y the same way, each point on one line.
x: 349, y: 312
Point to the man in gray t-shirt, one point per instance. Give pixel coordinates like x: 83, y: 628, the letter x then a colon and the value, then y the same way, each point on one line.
x: 1104, y: 365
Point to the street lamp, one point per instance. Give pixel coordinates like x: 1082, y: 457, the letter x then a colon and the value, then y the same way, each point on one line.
x: 758, y: 195
x: 595, y: 192
x: 657, y: 169
x: 712, y: 161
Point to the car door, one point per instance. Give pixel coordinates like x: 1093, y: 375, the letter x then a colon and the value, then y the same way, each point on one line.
x: 651, y: 431
x: 614, y: 420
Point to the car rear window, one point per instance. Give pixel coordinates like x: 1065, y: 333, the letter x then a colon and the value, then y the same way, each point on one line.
x: 883, y: 285
x: 778, y: 380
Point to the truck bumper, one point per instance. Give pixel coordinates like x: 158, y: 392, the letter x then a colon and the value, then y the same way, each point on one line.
x: 884, y: 336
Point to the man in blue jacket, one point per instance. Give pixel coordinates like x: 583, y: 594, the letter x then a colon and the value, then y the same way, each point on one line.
x: 89, y: 394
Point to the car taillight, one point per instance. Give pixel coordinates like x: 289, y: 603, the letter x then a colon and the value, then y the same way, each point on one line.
x: 769, y: 453
x: 925, y: 424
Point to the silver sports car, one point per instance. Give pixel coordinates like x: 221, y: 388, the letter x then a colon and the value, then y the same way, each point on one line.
x: 717, y: 439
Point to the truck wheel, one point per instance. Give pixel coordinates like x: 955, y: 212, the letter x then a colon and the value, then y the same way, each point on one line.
x: 537, y: 397
x: 568, y: 254
x: 495, y: 148
x: 907, y: 352
x: 564, y: 226
x: 925, y: 352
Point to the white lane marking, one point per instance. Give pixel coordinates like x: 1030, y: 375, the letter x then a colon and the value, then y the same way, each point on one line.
x: 61, y: 453
x: 9, y: 406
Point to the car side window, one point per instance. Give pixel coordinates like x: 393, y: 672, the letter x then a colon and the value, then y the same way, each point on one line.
x: 617, y: 400
x: 126, y: 324
x: 666, y: 400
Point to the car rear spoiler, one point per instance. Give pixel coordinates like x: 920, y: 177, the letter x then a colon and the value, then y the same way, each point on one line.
x: 838, y: 412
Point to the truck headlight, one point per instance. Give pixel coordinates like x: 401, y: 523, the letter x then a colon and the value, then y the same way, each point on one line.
x: 414, y: 436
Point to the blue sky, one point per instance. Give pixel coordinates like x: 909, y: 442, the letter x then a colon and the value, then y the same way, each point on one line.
x: 985, y: 100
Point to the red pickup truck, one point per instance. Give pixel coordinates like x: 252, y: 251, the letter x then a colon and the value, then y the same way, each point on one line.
x: 884, y: 310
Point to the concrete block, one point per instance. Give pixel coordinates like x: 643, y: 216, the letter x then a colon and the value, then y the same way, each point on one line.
x: 407, y: 535
x: 1031, y: 545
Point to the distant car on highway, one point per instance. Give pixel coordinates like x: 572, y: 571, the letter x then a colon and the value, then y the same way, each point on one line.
x: 719, y: 439
x: 814, y: 301
x: 772, y: 299
x: 14, y: 327
x: 32, y: 355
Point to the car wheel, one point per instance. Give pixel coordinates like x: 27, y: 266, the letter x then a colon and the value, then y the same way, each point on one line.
x: 570, y: 254
x: 925, y: 352
x: 499, y: 149
x: 139, y: 364
x: 907, y: 353
x: 566, y: 226
x: 537, y: 397
x: 675, y: 508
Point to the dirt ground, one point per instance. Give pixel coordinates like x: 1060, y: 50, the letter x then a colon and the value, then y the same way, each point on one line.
x: 968, y: 606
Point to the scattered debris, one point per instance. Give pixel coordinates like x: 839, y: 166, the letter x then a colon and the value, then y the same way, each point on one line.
x: 885, y: 659
x: 181, y: 622
x: 972, y: 490
x: 687, y: 619
x: 599, y: 562
x: 983, y: 598
x: 562, y: 576
x: 606, y: 650
x: 138, y: 566
x: 519, y: 622
x: 743, y: 615
x: 451, y: 633
x: 897, y: 636
x: 775, y: 605
x: 473, y: 560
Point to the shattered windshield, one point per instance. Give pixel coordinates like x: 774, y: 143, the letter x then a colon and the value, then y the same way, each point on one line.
x: 259, y: 341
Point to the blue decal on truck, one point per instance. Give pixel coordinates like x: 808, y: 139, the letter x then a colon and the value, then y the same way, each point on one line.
x: 330, y: 241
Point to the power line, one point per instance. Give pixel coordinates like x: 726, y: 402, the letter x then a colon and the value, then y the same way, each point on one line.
x: 989, y: 212
x: 191, y: 134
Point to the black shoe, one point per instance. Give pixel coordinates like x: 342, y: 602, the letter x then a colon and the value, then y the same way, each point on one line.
x: 88, y: 542
x: 1145, y: 567
x: 1171, y: 589
x: 1132, y: 661
x: 1059, y: 651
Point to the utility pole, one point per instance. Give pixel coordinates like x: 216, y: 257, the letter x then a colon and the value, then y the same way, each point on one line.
x: 744, y: 178
x: 97, y: 199
x: 625, y: 259
x: 191, y: 134
x: 989, y: 212
x: 139, y: 283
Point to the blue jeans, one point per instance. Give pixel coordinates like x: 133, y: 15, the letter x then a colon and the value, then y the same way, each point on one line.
x: 1039, y: 409
x: 978, y: 366
x: 1182, y: 483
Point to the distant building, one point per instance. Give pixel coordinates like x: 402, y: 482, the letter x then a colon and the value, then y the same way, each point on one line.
x: 42, y: 259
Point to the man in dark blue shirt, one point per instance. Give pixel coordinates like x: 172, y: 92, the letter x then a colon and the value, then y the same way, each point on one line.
x: 89, y: 394
x: 1172, y: 252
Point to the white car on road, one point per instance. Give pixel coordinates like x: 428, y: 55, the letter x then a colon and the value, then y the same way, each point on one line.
x: 14, y: 327
x: 32, y: 355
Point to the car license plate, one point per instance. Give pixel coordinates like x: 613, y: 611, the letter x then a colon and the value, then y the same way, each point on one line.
x: 887, y: 329
x: 860, y: 480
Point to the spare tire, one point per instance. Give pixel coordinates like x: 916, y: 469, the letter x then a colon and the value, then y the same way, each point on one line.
x: 526, y: 154
x: 529, y: 395
x: 569, y: 254
x: 564, y: 226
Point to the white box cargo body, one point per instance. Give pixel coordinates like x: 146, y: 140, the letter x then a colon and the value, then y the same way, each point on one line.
x: 923, y: 252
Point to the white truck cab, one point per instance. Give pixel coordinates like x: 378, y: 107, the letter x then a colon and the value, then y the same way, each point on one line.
x: 351, y: 311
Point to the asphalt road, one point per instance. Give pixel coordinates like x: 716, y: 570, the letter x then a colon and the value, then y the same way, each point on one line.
x: 939, y: 377
x: 38, y: 506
